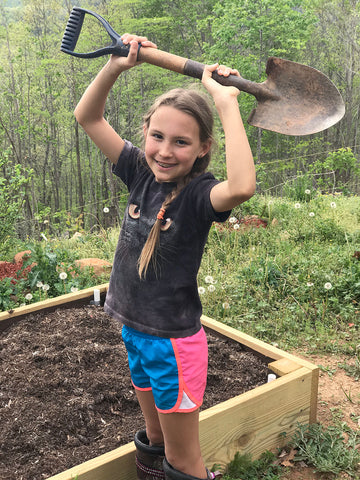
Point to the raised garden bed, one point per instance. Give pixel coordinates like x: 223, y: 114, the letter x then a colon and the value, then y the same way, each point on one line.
x: 251, y: 422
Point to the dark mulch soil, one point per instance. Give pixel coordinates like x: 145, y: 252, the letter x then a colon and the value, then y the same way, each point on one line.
x: 66, y: 395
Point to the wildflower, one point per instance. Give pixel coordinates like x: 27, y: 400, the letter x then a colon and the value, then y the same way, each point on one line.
x: 232, y: 220
x: 311, y: 214
x: 28, y: 296
x: 328, y: 286
x: 209, y: 279
x: 39, y: 284
x: 351, y: 325
x: 46, y: 287
x: 225, y: 306
x: 297, y: 205
x: 63, y: 275
x: 236, y: 226
x: 333, y: 205
x: 270, y: 202
x: 310, y: 284
x: 307, y: 192
x: 201, y: 290
x: 74, y: 289
x: 211, y: 288
x: 46, y: 222
x: 106, y: 210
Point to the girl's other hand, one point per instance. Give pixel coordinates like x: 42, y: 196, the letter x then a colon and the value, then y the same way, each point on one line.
x: 124, y: 63
x: 217, y: 90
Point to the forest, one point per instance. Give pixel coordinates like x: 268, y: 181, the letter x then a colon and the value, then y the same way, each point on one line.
x: 51, y: 174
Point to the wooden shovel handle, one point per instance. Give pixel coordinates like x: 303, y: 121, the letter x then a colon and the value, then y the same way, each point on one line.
x: 194, y: 69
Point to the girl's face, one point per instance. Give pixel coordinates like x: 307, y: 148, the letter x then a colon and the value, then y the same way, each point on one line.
x: 172, y: 144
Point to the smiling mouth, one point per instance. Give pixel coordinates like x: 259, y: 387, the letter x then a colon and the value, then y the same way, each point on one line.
x: 164, y: 165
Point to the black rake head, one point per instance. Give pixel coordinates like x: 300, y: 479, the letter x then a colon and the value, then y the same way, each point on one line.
x: 72, y: 33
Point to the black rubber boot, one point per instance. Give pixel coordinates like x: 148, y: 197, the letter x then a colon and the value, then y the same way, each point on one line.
x: 172, y: 474
x: 149, y: 459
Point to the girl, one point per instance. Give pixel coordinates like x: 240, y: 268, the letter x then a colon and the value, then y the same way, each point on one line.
x: 153, y: 288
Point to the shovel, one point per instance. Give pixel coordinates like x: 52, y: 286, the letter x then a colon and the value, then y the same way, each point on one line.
x: 294, y: 99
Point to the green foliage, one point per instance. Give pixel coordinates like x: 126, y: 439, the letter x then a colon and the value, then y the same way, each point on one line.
x: 13, y: 181
x: 54, y: 268
x: 242, y: 467
x: 6, y: 290
x: 331, y: 450
x: 343, y: 165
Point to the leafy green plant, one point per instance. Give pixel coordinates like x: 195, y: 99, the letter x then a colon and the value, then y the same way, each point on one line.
x: 6, y: 291
x: 244, y: 468
x: 13, y: 180
x: 327, y: 449
x: 344, y: 166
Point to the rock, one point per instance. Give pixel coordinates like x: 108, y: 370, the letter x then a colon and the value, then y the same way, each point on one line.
x: 96, y: 264
x: 21, y: 256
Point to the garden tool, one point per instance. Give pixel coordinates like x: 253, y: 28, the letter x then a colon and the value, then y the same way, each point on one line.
x: 149, y: 459
x: 294, y: 99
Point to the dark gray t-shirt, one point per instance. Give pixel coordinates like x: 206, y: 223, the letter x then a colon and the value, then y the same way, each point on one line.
x: 166, y: 303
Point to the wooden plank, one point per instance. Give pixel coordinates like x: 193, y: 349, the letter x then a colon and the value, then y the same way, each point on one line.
x: 254, y: 421
x: 118, y: 464
x: 253, y: 343
x: 283, y: 366
x: 53, y: 302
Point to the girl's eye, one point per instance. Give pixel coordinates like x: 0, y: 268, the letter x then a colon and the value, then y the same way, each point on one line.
x: 181, y: 142
x: 157, y: 136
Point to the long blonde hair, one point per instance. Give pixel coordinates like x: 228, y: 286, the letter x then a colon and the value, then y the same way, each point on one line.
x: 197, y: 106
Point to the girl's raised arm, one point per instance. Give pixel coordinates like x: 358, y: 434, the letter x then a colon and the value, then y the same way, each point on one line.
x: 90, y: 110
x: 241, y: 180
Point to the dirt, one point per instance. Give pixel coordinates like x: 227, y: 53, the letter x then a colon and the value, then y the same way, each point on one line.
x: 66, y: 394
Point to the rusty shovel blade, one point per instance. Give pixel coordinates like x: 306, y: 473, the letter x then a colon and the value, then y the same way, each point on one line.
x: 296, y: 99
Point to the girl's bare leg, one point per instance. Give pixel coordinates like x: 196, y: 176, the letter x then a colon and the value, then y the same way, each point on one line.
x: 153, y: 427
x: 179, y: 432
x: 182, y: 445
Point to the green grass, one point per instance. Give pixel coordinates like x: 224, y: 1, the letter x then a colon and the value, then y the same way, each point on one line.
x: 294, y: 283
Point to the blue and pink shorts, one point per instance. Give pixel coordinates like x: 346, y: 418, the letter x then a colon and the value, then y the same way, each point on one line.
x: 174, y: 369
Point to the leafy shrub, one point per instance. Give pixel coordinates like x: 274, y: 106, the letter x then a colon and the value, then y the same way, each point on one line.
x: 327, y: 449
x: 244, y: 468
x: 13, y: 179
